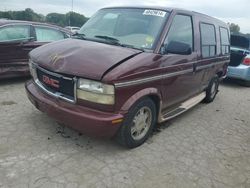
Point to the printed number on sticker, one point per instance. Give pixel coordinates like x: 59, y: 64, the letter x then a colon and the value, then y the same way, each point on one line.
x: 154, y: 13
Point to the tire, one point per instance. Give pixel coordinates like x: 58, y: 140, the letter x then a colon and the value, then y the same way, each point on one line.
x: 141, y: 116
x: 212, y: 90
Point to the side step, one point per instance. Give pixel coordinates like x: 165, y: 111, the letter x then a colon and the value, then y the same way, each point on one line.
x: 183, y: 107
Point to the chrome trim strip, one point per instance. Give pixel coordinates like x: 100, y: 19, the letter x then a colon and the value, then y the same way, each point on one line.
x: 198, y: 61
x: 56, y: 94
x: 150, y: 79
x: 214, y: 58
x: 158, y: 77
x: 50, y: 73
x: 75, y: 89
x: 177, y: 73
x: 210, y: 65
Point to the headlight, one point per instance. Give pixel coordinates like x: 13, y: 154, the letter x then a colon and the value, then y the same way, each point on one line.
x: 32, y: 69
x: 95, y: 92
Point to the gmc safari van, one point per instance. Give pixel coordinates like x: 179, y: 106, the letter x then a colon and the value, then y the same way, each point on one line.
x: 129, y: 68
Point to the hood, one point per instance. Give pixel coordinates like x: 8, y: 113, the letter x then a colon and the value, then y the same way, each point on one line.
x: 81, y: 58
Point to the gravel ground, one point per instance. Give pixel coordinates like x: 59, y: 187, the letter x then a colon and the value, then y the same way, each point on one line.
x: 208, y: 146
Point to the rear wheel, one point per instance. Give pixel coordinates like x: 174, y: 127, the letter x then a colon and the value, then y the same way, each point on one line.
x: 212, y: 90
x: 138, y: 124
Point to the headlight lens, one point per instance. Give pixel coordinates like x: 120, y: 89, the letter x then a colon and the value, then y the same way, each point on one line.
x: 95, y: 92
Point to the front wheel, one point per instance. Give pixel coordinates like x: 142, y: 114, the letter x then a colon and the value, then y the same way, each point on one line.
x: 212, y: 89
x: 138, y: 124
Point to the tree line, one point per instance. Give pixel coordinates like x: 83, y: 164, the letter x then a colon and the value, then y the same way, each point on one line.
x: 235, y: 29
x: 70, y: 18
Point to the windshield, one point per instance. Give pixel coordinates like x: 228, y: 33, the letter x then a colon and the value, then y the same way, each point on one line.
x: 137, y: 28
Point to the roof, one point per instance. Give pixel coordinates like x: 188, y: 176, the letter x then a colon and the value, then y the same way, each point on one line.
x: 5, y: 22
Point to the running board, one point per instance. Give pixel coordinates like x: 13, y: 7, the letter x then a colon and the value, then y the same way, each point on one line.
x: 183, y: 107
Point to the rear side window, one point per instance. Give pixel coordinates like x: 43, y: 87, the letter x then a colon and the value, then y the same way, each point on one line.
x: 181, y: 30
x: 44, y: 34
x: 14, y: 32
x: 208, y: 40
x: 225, y: 43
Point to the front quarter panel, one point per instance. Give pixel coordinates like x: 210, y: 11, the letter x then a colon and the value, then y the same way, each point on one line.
x: 144, y: 65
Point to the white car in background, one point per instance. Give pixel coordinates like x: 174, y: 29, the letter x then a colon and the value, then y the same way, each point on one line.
x: 73, y: 29
x: 239, y: 66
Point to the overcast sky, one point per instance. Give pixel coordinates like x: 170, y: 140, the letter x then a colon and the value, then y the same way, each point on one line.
x: 236, y: 11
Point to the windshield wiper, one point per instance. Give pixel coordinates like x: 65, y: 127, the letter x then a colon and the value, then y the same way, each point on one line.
x: 131, y: 46
x: 117, y: 42
x: 112, y: 39
x: 79, y: 35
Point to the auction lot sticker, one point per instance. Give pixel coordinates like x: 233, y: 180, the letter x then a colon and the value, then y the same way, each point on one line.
x: 154, y: 13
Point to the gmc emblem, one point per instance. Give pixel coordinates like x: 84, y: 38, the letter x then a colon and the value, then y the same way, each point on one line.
x: 51, y: 82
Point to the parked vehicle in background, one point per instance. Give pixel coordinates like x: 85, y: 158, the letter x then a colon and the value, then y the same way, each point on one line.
x: 18, y: 38
x: 129, y: 68
x: 73, y: 30
x: 239, y: 66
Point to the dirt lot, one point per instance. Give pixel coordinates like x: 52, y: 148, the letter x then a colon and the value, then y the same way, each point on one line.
x: 209, y: 146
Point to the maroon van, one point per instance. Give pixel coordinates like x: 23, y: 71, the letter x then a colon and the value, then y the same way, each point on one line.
x: 129, y: 68
x: 18, y: 38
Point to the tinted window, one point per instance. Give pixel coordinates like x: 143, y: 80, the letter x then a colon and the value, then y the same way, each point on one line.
x: 240, y: 41
x: 208, y: 40
x: 12, y: 33
x: 181, y: 30
x: 44, y: 34
x: 225, y: 44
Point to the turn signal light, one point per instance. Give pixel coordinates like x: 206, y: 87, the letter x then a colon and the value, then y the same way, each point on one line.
x: 246, y: 61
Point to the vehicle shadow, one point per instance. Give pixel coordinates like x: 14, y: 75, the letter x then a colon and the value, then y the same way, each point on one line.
x: 233, y: 83
x: 58, y: 132
x: 12, y: 81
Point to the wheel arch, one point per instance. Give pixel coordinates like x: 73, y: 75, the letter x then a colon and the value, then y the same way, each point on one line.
x: 152, y: 93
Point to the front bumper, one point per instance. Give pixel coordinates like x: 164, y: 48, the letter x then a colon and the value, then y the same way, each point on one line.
x: 86, y: 120
x: 241, y: 72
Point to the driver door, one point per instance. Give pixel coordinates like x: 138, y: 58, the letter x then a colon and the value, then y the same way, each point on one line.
x: 180, y: 82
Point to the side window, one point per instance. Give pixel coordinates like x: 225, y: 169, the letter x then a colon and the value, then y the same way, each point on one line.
x: 225, y: 44
x: 14, y: 32
x: 181, y: 30
x: 44, y: 34
x: 208, y: 40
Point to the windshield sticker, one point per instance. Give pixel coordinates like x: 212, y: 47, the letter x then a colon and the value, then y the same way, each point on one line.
x: 154, y: 13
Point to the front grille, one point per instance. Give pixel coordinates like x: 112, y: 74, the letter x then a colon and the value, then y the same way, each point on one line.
x: 59, y: 85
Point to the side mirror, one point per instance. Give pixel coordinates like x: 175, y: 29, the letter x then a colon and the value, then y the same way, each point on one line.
x: 175, y: 47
